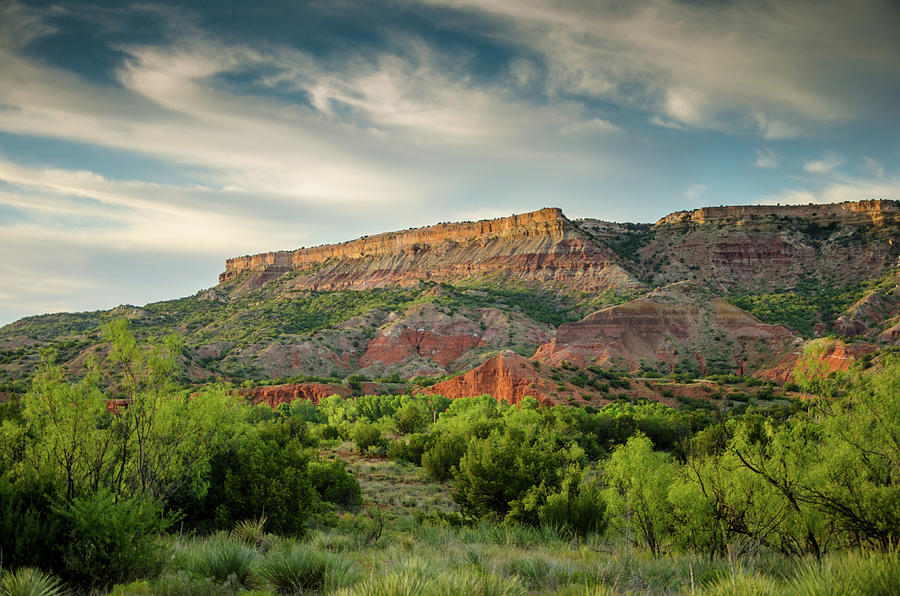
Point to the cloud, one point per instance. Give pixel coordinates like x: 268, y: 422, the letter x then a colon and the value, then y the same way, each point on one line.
x: 823, y: 166
x: 873, y: 166
x: 595, y: 125
x: 837, y: 191
x: 766, y: 158
x: 734, y: 66
x: 695, y: 191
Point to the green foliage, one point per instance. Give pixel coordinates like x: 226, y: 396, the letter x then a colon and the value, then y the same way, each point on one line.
x: 31, y: 530
x: 412, y: 417
x: 366, y: 436
x: 263, y: 473
x: 221, y: 560
x: 334, y: 484
x: 800, y: 310
x: 28, y: 581
x: 410, y: 448
x: 299, y: 569
x: 500, y: 468
x: 112, y: 540
x: 639, y: 480
x: 443, y: 456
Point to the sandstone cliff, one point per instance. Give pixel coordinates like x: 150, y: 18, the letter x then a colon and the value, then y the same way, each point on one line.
x: 542, y: 246
x: 761, y: 248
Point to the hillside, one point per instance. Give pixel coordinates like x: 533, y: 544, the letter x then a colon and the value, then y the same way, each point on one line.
x: 716, y: 290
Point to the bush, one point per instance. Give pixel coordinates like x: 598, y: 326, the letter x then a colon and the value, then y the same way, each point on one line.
x: 300, y: 569
x: 443, y: 456
x: 500, y: 469
x: 112, y: 541
x: 412, y: 417
x: 31, y: 531
x: 335, y: 484
x: 366, y: 435
x: 580, y: 510
x: 409, y: 449
x: 263, y: 474
x: 223, y: 560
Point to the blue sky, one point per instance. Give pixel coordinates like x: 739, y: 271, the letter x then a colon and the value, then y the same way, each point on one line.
x: 142, y: 144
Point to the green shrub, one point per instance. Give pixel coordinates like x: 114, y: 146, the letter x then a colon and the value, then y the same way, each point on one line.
x: 443, y: 456
x: 334, y: 483
x: 409, y: 449
x: 220, y: 559
x: 412, y: 417
x: 365, y: 435
x: 263, y: 474
x: 31, y: 530
x: 112, y: 541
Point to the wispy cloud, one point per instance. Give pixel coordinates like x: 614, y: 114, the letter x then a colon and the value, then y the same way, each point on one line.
x: 766, y: 158
x: 873, y: 166
x: 838, y: 190
x: 825, y: 165
x: 741, y: 62
x: 694, y: 191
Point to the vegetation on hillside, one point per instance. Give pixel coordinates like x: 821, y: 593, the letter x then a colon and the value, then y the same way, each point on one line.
x: 197, y: 492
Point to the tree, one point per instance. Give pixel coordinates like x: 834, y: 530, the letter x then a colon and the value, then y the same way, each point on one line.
x: 638, y: 479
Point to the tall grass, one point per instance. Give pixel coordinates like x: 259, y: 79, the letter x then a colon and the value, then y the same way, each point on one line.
x: 860, y: 573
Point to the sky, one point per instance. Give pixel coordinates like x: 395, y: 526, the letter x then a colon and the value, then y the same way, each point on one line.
x: 142, y: 144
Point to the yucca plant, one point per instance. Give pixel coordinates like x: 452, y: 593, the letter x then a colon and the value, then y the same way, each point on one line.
x: 301, y: 568
x: 743, y: 583
x: 27, y: 581
x: 252, y: 532
x: 221, y: 559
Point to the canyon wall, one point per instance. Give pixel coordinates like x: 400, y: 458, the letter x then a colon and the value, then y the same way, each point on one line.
x: 541, y: 246
x: 877, y: 212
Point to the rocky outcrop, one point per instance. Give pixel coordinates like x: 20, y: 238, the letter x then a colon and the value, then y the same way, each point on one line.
x: 274, y: 395
x: 542, y: 246
x: 835, y: 355
x: 443, y: 341
x: 873, y: 315
x: 759, y: 247
x: 508, y: 377
x: 876, y: 212
x: 678, y: 325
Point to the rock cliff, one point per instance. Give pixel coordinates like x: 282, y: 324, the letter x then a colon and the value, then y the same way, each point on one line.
x: 542, y: 246
x: 758, y: 247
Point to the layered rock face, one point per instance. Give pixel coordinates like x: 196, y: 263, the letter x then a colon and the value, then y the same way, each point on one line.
x: 681, y: 324
x: 765, y: 248
x: 542, y: 246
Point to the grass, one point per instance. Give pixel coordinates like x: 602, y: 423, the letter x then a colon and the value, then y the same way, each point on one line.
x: 493, y: 559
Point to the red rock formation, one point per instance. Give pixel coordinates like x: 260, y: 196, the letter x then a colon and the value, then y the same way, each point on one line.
x: 542, y: 246
x: 274, y: 395
x: 669, y: 322
x: 509, y: 377
x: 837, y: 356
x: 410, y: 343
